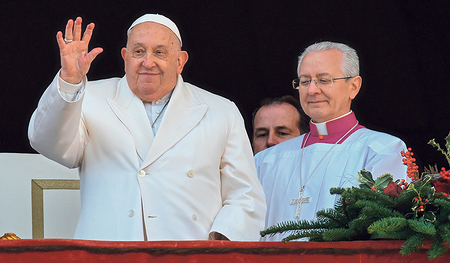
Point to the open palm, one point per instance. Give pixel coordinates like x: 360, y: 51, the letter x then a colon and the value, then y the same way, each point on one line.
x: 75, y: 56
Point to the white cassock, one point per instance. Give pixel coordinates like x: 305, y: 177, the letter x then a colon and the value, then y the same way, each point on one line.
x: 193, y: 179
x: 335, y: 165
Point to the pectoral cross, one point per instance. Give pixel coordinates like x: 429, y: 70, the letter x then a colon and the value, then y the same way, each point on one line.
x: 299, y: 202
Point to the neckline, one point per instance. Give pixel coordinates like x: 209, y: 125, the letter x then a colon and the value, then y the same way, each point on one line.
x: 335, y: 129
x: 301, y: 200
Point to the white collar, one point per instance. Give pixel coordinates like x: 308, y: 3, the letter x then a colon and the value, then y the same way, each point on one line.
x: 322, y: 126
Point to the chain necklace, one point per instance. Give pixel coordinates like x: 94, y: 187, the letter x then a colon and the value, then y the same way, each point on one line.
x: 301, y: 199
x: 157, y: 117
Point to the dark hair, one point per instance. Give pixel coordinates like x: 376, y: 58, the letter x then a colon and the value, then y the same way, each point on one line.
x: 303, y: 123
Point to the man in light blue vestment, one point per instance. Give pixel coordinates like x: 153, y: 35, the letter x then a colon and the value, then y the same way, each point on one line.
x: 297, y: 174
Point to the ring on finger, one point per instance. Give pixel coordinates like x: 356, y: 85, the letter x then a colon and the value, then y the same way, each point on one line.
x: 67, y: 40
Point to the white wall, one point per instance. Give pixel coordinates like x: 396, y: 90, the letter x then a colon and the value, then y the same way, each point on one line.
x: 61, y: 207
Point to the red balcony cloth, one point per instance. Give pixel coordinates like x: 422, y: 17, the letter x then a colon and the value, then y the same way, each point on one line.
x: 70, y: 250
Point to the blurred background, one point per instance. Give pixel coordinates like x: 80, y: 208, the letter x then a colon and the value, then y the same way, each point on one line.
x: 246, y: 51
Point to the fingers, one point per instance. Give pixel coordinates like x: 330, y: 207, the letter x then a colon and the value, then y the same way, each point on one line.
x: 60, y: 40
x: 73, y: 30
x: 75, y: 58
x: 77, y: 29
x: 93, y: 54
x: 88, y: 33
x: 69, y: 28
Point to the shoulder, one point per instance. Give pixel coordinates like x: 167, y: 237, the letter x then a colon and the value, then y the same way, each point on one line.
x: 366, y: 133
x: 102, y: 86
x: 103, y: 82
x: 206, y: 97
x: 375, y: 139
x: 286, y: 150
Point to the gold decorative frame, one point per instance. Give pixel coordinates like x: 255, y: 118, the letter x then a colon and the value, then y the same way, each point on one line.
x: 37, y: 200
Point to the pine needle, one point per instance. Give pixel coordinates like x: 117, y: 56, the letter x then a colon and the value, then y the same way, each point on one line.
x: 422, y: 226
x: 412, y: 244
x: 388, y: 225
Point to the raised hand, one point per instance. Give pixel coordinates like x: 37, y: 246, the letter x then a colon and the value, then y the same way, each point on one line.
x: 75, y: 56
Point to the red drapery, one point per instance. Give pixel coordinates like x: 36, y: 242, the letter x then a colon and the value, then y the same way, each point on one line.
x: 69, y: 250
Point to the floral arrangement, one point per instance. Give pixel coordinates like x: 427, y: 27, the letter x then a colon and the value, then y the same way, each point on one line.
x: 383, y: 208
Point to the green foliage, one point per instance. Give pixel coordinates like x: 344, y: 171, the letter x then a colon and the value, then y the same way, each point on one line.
x: 388, y: 225
x: 447, y: 145
x: 339, y: 234
x: 437, y: 249
x: 422, y: 226
x: 365, y: 179
x: 313, y: 235
x: 444, y: 231
x: 366, y: 212
x: 412, y: 244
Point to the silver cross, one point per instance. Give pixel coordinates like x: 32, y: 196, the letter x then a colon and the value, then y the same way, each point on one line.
x: 299, y: 202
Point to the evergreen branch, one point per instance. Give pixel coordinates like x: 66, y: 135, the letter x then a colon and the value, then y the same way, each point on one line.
x: 388, y: 225
x: 315, y: 235
x: 404, y: 199
x: 332, y: 215
x: 412, y: 244
x: 360, y: 224
x: 339, y: 234
x: 370, y: 194
x: 404, y: 234
x: 343, y: 204
x: 442, y: 202
x: 436, y: 249
x: 346, y: 207
x: 444, y: 210
x: 421, y: 226
x: 373, y: 209
x: 337, y: 190
x: 444, y: 232
x: 291, y: 226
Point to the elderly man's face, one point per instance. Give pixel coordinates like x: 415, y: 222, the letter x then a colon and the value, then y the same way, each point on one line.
x: 153, y: 59
x: 324, y: 104
x: 274, y: 124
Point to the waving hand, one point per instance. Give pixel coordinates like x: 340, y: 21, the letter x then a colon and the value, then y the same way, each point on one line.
x: 75, y: 56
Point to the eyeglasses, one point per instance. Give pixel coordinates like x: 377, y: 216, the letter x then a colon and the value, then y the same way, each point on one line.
x: 304, y: 82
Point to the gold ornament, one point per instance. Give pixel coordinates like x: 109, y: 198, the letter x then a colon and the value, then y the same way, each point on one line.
x: 9, y: 236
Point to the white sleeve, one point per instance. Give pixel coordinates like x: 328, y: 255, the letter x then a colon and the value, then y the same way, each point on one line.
x: 57, y: 129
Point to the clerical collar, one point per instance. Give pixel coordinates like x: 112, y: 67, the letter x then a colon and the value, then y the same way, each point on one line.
x: 333, y: 130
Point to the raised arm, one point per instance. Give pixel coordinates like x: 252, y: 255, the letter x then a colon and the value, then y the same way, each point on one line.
x: 75, y: 56
x: 56, y: 128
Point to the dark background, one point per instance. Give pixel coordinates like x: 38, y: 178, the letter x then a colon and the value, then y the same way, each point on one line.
x: 246, y: 51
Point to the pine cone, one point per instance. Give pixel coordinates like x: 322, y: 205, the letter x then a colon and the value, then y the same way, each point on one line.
x: 9, y: 236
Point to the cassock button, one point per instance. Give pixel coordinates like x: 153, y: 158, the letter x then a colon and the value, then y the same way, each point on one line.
x: 141, y: 173
x: 194, y: 217
x: 131, y: 213
x: 320, y: 137
x: 190, y: 173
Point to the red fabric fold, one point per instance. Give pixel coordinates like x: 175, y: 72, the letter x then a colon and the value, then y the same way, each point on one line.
x: 69, y: 250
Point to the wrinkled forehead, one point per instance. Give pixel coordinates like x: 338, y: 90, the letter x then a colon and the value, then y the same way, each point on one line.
x: 159, y: 19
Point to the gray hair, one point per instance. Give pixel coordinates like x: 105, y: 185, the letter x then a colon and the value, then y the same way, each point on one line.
x: 350, y: 60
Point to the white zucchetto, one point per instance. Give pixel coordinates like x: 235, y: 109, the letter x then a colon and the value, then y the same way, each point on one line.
x: 156, y: 18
